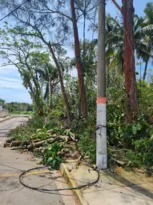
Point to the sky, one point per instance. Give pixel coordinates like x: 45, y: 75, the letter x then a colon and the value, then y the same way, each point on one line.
x: 11, y: 88
x: 139, y: 6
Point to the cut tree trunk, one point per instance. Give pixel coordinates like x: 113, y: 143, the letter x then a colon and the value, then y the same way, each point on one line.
x: 9, y: 140
x: 6, y: 144
x: 15, y: 143
x: 39, y: 144
x: 78, y: 62
x: 129, y: 60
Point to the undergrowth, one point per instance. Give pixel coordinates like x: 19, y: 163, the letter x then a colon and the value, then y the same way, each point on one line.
x: 135, y: 138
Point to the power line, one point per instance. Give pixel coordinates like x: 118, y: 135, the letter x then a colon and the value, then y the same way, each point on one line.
x: 14, y: 10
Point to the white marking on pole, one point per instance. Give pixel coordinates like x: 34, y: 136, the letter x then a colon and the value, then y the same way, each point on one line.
x: 101, y: 141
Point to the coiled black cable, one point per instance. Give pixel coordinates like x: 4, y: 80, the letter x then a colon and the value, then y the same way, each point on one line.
x: 54, y: 190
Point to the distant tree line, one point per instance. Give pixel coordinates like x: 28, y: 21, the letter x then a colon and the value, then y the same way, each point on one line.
x: 16, y: 107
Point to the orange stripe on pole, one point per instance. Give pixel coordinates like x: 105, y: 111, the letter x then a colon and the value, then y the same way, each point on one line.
x: 101, y: 100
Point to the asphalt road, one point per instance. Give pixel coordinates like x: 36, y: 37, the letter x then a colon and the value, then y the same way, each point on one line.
x: 13, y: 163
x: 7, y: 125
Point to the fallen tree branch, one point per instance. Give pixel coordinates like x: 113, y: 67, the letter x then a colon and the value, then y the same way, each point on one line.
x: 118, y: 162
x: 15, y: 143
x: 49, y: 141
x: 10, y: 140
x: 18, y: 148
x: 6, y: 144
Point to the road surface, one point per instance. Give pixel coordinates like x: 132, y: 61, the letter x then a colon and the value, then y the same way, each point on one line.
x: 7, y: 125
x: 13, y: 163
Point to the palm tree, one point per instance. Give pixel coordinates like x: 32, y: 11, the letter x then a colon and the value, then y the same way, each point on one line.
x: 49, y: 77
x: 148, y: 39
x: 114, y: 43
x: 123, y: 43
x: 143, y: 28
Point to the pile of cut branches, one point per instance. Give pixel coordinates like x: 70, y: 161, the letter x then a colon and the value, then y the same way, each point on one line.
x: 53, y: 147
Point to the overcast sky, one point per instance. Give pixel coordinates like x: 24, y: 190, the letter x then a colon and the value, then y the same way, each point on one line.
x: 11, y: 88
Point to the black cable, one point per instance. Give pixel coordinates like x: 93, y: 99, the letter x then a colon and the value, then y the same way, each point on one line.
x: 100, y: 127
x: 54, y: 190
x: 14, y: 10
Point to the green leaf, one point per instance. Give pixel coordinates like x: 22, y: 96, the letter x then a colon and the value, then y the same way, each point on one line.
x: 53, y: 154
x: 50, y: 160
x: 139, y: 127
x: 58, y: 159
x: 49, y: 148
x: 151, y: 138
x: 54, y: 164
x: 134, y: 129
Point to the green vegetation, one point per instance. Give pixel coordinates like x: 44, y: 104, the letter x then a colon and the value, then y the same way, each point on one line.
x: 51, y: 156
x: 25, y: 132
x: 64, y: 104
x: 16, y: 107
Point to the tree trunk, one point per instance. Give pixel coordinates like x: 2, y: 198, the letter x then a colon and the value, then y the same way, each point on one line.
x: 145, y: 70
x: 51, y: 92
x: 37, y: 92
x: 62, y: 85
x: 78, y: 62
x: 129, y: 60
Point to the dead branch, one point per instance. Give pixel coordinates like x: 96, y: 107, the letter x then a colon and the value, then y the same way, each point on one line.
x: 6, y: 144
x: 49, y: 141
x: 15, y: 143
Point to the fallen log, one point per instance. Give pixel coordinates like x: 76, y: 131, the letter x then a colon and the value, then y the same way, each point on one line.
x: 39, y: 149
x: 10, y: 140
x: 19, y: 148
x: 38, y: 140
x: 6, y: 144
x: 49, y: 141
x: 34, y: 141
x: 120, y: 163
x: 15, y: 143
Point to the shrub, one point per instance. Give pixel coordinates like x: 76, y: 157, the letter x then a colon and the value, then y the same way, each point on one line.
x: 142, y: 153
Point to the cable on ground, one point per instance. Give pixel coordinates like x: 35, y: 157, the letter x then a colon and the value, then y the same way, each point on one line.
x: 54, y: 190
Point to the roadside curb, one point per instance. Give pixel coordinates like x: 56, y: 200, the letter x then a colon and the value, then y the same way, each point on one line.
x: 13, y: 116
x: 72, y: 183
x: 6, y: 118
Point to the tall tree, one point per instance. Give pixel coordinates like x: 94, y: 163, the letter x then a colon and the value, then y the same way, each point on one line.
x: 114, y: 40
x: 20, y: 53
x: 79, y: 61
x: 127, y: 11
x: 51, y: 30
x: 49, y: 77
x: 55, y: 18
x: 148, y: 20
x: 72, y: 11
x: 129, y: 59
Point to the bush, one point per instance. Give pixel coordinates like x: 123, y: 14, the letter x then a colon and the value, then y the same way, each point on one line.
x: 86, y: 132
x: 36, y: 122
x: 51, y: 156
x: 24, y: 132
x: 87, y: 146
x: 142, y: 153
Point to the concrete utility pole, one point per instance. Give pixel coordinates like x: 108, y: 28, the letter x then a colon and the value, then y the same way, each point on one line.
x: 101, y: 141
